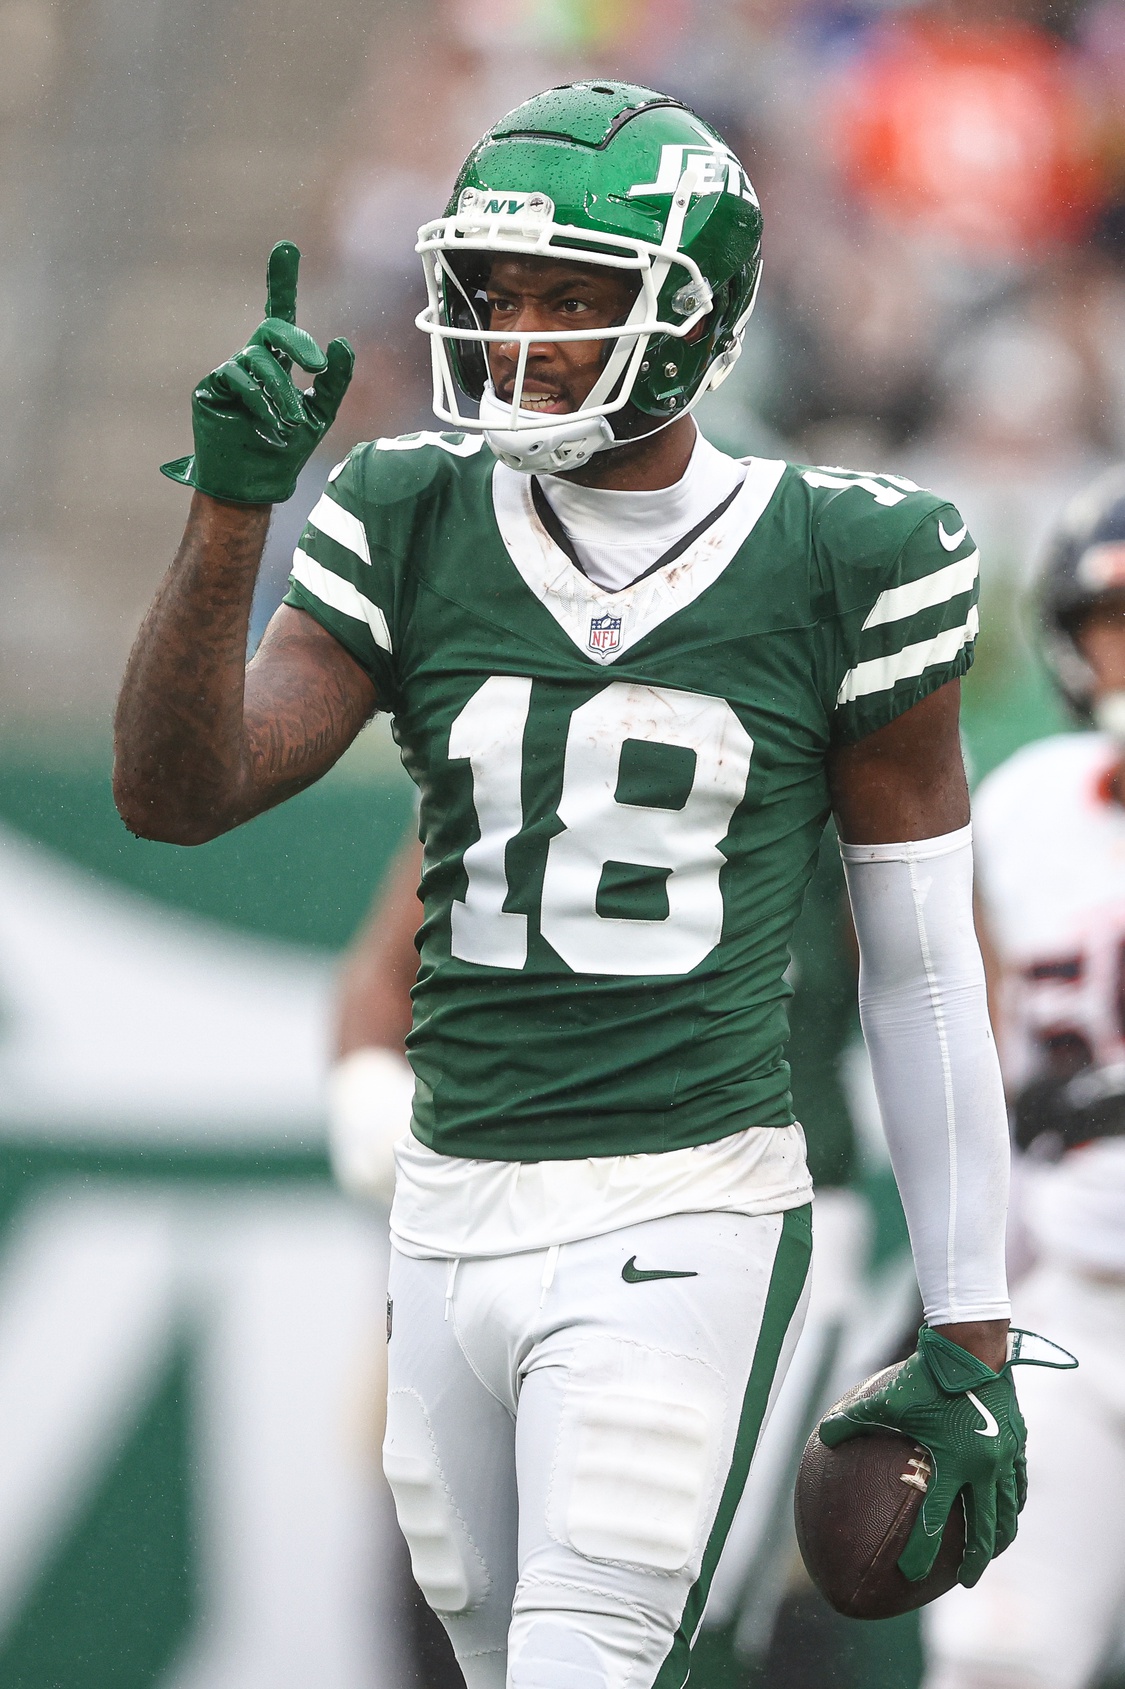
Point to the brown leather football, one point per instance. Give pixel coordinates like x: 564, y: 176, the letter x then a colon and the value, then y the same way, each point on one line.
x: 855, y: 1506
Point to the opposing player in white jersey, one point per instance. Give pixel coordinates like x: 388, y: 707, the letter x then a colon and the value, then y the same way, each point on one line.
x: 1050, y: 841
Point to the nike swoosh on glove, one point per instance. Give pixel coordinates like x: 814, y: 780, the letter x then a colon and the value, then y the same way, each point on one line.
x: 969, y: 1420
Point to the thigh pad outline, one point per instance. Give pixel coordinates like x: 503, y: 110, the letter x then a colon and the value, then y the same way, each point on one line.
x: 638, y: 1456
x: 447, y: 1565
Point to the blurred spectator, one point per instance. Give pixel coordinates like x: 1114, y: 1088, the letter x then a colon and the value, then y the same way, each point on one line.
x: 974, y: 130
x: 1013, y: 430
x: 916, y: 166
x: 1100, y: 31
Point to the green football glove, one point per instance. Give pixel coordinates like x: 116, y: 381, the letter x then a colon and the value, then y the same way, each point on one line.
x: 969, y: 1420
x: 254, y: 429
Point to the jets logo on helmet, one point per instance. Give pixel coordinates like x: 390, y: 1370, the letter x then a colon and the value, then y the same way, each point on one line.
x: 597, y: 174
x: 719, y: 169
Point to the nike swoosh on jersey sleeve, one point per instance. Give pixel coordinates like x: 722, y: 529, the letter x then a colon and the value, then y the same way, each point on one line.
x: 339, y: 594
x: 950, y: 542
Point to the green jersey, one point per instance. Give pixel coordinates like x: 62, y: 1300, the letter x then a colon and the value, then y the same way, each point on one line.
x: 622, y: 793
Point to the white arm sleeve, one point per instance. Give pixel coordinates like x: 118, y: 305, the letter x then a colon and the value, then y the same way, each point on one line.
x: 925, y: 1018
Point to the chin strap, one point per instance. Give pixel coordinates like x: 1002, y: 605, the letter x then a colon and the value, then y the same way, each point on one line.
x: 565, y: 443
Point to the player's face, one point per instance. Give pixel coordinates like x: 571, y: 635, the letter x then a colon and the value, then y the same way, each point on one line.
x: 1101, y: 639
x: 544, y: 296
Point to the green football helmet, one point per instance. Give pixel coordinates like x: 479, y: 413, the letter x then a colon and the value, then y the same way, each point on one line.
x: 615, y: 175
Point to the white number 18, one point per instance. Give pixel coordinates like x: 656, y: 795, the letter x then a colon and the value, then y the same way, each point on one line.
x: 599, y: 828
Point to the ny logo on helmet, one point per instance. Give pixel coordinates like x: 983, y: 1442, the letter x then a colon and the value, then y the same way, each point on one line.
x: 492, y: 202
x: 719, y: 169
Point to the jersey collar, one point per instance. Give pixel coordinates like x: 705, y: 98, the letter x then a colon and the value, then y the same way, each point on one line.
x: 604, y: 625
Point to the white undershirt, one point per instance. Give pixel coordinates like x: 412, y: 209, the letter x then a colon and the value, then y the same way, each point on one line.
x: 617, y: 536
x: 448, y: 1206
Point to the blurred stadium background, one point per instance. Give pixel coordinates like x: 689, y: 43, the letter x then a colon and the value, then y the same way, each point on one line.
x: 190, y: 1318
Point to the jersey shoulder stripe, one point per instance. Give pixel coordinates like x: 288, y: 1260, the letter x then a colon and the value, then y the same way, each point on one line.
x: 329, y: 517
x: 349, y: 563
x: 341, y: 573
x: 901, y: 575
x: 882, y: 674
x: 339, y: 594
x: 456, y: 445
x: 898, y: 602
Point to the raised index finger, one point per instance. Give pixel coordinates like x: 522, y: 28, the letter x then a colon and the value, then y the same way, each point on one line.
x: 281, y: 282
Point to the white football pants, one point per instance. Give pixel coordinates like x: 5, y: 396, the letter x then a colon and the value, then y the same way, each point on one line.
x: 569, y: 1432
x: 1048, y: 1612
x: 847, y: 1330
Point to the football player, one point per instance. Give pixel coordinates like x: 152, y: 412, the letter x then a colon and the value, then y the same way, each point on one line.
x: 631, y: 677
x: 1050, y: 839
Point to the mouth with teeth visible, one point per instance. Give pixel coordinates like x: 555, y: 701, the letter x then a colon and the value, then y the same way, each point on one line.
x: 544, y: 404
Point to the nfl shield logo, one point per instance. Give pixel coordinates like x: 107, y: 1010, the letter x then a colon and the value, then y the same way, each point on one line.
x: 605, y: 632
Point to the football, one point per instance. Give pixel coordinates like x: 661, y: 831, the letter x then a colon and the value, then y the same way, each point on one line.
x: 855, y: 1507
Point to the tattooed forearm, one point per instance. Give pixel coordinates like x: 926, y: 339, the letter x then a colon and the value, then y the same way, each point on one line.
x: 202, y: 743
x: 284, y: 757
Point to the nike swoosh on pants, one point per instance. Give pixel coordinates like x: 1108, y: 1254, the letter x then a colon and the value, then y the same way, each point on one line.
x: 632, y: 1274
